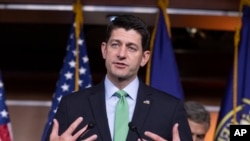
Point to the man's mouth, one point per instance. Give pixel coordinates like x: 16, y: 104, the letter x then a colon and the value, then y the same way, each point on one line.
x: 120, y: 65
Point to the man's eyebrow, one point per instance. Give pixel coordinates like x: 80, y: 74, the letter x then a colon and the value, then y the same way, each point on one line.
x: 131, y: 44
x: 114, y: 40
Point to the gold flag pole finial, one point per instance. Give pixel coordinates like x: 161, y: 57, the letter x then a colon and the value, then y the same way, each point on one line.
x: 163, y: 5
x: 78, y: 23
x: 244, y: 2
x: 78, y: 17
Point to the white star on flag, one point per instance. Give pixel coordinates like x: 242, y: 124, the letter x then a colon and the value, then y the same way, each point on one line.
x: 72, y: 64
x: 74, y: 52
x: 85, y: 59
x: 80, y: 41
x: 82, y: 70
x: 4, y: 114
x: 80, y: 82
x: 65, y: 87
x: 59, y: 98
x: 68, y: 75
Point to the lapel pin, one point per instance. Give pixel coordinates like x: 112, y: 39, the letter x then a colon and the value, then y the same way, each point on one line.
x: 146, y: 102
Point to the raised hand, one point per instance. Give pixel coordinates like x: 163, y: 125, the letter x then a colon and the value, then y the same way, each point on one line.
x: 67, y: 135
x: 155, y: 137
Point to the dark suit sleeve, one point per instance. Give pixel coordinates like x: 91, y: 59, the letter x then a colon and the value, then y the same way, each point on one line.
x: 181, y: 118
x: 61, y: 118
x: 69, y: 109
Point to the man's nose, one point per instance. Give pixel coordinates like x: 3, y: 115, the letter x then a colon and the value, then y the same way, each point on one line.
x: 122, y: 52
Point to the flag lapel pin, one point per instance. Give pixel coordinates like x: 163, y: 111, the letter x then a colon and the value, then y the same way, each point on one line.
x: 146, y: 102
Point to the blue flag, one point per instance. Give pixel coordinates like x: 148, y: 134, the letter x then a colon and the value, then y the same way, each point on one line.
x: 164, y: 72
x: 243, y: 92
x: 67, y: 80
x: 5, y: 127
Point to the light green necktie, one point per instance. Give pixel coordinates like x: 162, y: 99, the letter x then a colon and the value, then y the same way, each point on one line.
x: 121, y: 117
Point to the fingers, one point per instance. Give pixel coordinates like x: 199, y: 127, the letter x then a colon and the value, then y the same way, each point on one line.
x: 55, y: 128
x: 74, y: 125
x: 67, y: 135
x: 91, y: 138
x: 176, y: 136
x: 82, y: 131
x: 153, y: 136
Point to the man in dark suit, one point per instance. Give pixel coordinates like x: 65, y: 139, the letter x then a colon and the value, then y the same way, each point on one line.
x: 155, y: 115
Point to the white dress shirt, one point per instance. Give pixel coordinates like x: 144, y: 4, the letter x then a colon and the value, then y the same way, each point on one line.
x: 111, y: 100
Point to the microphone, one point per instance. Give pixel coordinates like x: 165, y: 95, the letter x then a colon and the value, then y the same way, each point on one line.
x: 90, y: 126
x: 133, y: 128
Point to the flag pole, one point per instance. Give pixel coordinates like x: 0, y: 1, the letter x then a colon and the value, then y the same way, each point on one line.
x: 78, y: 23
x: 162, y: 4
x: 151, y: 49
x: 235, y: 69
x: 235, y: 74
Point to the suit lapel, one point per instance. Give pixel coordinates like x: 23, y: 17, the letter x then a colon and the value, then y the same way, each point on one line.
x: 143, y: 103
x: 97, y: 102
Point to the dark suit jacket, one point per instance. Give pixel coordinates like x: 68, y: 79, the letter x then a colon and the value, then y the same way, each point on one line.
x: 155, y: 111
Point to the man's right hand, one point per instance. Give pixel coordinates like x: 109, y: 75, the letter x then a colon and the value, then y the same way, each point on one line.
x: 67, y: 135
x: 155, y: 137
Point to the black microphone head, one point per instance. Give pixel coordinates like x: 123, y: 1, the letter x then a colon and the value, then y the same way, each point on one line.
x: 132, y: 126
x: 91, y: 125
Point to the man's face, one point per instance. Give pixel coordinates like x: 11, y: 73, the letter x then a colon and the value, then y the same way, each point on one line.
x: 198, y: 130
x: 124, y: 54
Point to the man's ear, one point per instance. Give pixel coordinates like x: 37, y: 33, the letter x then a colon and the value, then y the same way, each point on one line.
x: 104, y: 49
x: 145, y: 58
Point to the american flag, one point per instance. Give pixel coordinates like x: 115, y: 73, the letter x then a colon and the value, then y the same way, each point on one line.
x: 67, y: 81
x: 5, y: 127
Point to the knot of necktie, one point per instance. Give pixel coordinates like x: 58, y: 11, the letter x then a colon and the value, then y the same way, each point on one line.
x: 121, y: 93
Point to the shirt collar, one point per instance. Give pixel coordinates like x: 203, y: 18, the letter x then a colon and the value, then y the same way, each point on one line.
x: 131, y: 88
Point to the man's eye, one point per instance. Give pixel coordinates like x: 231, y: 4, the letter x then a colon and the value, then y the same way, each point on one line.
x: 132, y: 48
x: 114, y: 45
